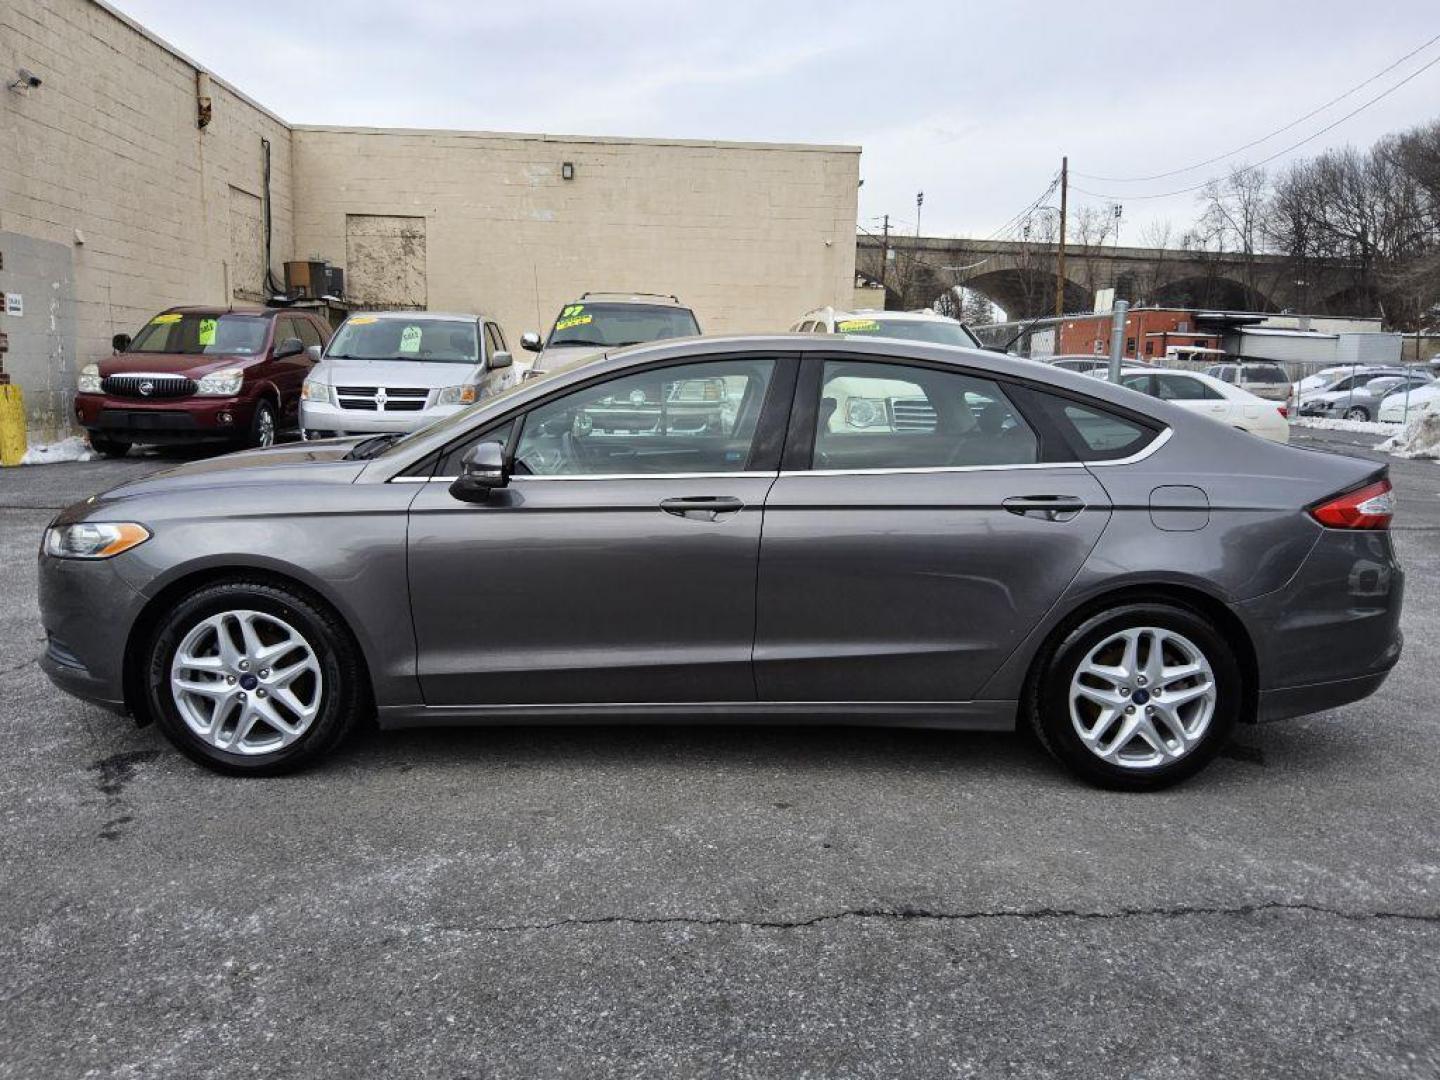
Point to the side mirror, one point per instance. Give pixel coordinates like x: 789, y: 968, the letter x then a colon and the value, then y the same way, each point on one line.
x: 313, y: 352
x: 530, y: 341
x: 291, y: 346
x: 120, y: 342
x: 482, y: 470
x: 500, y: 360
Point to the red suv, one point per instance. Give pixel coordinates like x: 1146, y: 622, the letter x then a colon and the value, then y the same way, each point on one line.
x: 196, y: 374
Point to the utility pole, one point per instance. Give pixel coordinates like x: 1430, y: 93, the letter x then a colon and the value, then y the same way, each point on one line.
x: 884, y: 260
x: 919, y: 202
x: 1060, y: 252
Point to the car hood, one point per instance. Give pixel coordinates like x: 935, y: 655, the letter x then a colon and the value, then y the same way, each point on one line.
x: 189, y: 364
x: 564, y: 355
x: 390, y: 373
x: 305, y: 462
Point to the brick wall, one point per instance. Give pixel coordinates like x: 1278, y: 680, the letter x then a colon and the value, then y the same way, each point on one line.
x: 749, y: 235
x: 109, y: 146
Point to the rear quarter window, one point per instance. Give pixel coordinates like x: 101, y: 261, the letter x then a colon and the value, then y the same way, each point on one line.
x: 1093, y: 432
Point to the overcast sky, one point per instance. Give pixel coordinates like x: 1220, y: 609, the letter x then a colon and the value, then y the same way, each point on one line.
x: 973, y: 103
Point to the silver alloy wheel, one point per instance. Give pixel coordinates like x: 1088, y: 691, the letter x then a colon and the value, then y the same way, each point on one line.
x: 1142, y: 698
x: 265, y: 436
x: 246, y: 682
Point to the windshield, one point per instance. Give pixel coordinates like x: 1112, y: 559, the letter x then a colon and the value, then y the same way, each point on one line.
x: 431, y: 341
x: 937, y: 331
x: 612, y: 325
x: 201, y: 335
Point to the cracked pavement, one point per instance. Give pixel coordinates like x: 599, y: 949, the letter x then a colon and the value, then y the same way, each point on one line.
x: 709, y: 901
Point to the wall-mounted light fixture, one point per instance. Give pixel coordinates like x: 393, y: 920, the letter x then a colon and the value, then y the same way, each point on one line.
x: 25, y: 79
x: 567, y: 170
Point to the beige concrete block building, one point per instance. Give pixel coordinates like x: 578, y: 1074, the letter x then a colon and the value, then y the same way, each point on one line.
x: 115, y: 203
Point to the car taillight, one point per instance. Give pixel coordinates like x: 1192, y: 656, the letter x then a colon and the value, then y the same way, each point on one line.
x: 1369, y: 507
x: 1284, y: 411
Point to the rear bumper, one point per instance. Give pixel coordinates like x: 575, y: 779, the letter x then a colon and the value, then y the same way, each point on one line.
x: 1317, y: 697
x: 191, y: 419
x: 1331, y: 635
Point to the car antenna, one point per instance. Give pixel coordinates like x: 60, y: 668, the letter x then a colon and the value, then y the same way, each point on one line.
x: 1021, y: 333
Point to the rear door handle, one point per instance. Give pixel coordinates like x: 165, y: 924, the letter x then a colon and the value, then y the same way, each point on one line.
x: 702, y: 507
x: 1049, y: 507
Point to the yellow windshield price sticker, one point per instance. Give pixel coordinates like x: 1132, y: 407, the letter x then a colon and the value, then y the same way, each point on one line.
x: 165, y: 320
x: 571, y: 310
x: 856, y: 326
x: 207, y: 331
x: 410, y: 339
x: 362, y: 320
x: 574, y: 320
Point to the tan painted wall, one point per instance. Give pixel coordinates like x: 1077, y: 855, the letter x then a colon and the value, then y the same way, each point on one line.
x: 749, y: 235
x: 108, y: 145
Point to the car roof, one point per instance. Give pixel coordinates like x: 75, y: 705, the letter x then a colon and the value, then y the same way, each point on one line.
x: 647, y: 299
x: 438, y: 316
x: 218, y: 309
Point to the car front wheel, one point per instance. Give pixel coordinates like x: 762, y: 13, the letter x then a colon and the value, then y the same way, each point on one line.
x: 1139, y: 697
x: 109, y: 448
x: 262, y: 426
x: 253, y: 678
x: 1357, y: 412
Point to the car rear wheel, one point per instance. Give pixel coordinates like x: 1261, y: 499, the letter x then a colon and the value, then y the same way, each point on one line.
x: 1357, y: 412
x: 252, y: 678
x: 262, y: 426
x: 1137, y: 698
x: 109, y: 448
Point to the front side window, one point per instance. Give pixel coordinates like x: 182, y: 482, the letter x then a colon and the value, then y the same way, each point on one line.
x: 613, y: 325
x: 895, y: 416
x: 202, y: 335
x: 369, y: 337
x: 689, y: 418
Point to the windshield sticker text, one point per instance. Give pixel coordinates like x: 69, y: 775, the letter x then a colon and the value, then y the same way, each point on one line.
x: 207, y: 331
x: 855, y: 326
x: 165, y: 320
x: 410, y: 339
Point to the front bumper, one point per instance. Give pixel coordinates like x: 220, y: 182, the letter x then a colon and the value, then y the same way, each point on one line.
x: 331, y: 419
x: 190, y: 419
x: 87, y: 611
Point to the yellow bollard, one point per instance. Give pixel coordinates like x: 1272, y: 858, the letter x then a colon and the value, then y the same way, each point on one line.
x: 12, y: 425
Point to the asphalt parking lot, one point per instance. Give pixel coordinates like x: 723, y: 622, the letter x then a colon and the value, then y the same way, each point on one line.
x: 703, y: 901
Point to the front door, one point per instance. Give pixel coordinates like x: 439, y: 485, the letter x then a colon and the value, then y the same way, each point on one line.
x: 927, y: 537
x: 619, y: 564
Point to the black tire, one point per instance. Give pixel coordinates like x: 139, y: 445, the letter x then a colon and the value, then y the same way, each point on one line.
x: 1049, y: 699
x: 108, y: 448
x: 344, y: 695
x: 1357, y: 412
x: 264, y: 415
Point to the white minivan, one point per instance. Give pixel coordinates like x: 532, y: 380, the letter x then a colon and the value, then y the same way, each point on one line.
x: 395, y: 371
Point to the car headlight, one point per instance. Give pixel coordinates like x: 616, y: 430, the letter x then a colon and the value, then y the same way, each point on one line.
x: 457, y: 395
x: 94, y: 539
x: 89, y: 381
x: 865, y: 412
x: 315, y: 390
x: 222, y: 383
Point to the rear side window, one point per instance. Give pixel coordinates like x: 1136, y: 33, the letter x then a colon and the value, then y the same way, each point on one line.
x: 893, y: 416
x: 1265, y: 373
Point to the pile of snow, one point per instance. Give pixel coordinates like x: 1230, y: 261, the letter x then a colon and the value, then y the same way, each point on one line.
x: 75, y: 448
x: 1368, y: 427
x: 1420, y: 439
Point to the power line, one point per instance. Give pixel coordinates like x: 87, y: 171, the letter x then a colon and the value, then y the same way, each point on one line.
x: 1263, y: 138
x: 1278, y: 154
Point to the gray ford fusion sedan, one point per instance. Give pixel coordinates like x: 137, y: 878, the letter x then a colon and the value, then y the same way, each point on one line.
x: 743, y: 529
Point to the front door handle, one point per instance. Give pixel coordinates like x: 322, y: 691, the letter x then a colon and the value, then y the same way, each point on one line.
x: 1049, y: 507
x: 702, y: 507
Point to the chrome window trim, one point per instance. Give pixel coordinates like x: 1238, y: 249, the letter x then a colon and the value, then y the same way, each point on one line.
x: 530, y: 478
x: 1154, y: 445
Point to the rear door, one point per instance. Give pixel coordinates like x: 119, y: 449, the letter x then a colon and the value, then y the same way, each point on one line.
x: 922, y: 524
x: 619, y: 564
